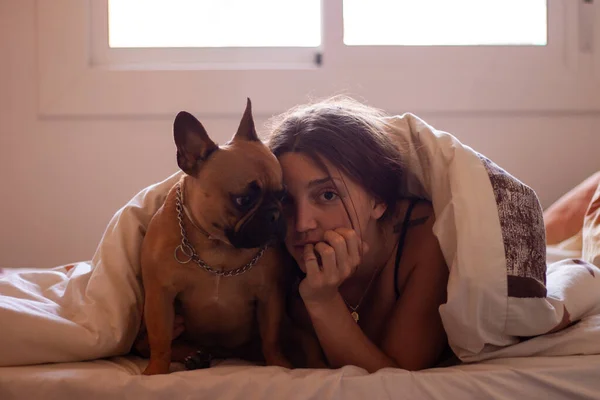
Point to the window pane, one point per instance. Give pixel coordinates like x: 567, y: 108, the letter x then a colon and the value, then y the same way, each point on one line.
x: 445, y: 22
x: 214, y: 23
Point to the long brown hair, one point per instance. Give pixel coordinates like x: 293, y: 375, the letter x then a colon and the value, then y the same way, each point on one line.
x: 351, y: 136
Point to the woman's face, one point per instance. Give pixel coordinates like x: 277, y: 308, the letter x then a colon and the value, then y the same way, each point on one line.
x: 317, y: 202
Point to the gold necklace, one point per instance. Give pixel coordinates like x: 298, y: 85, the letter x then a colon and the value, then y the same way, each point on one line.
x: 354, y: 309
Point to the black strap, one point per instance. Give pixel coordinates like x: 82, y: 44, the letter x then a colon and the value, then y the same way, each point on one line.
x: 401, y: 244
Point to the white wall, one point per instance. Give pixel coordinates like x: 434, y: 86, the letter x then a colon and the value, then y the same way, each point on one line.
x: 63, y: 179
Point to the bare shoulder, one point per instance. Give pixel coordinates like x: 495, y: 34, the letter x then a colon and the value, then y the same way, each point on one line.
x: 421, y: 249
x: 421, y: 214
x: 415, y: 335
x: 420, y: 229
x: 420, y: 220
x: 427, y: 251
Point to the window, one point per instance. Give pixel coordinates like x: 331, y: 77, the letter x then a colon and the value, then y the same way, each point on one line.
x: 445, y: 22
x: 152, y: 57
x: 201, y: 34
x: 223, y: 23
x: 297, y: 23
x: 268, y: 33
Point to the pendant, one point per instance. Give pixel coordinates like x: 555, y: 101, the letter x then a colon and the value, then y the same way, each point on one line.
x: 355, y: 316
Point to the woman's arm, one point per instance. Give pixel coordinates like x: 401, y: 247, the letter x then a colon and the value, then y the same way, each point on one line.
x: 414, y: 337
x: 342, y: 340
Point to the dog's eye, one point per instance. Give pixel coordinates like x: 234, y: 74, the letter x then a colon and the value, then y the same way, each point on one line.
x: 243, y: 201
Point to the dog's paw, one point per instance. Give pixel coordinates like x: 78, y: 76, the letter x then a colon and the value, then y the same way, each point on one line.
x: 156, y: 369
x: 278, y: 360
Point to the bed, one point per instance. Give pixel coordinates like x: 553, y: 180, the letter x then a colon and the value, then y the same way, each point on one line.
x: 548, y: 377
x: 532, y: 377
x: 538, y: 339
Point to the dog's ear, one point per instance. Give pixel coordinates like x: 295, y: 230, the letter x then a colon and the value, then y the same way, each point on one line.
x: 246, y: 130
x: 192, y: 141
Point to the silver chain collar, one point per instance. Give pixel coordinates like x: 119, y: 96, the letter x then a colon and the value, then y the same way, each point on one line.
x: 188, y: 250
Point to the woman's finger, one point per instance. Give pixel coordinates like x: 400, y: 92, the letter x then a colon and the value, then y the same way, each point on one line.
x: 328, y: 262
x: 310, y: 262
x: 339, y: 245
x: 353, y: 244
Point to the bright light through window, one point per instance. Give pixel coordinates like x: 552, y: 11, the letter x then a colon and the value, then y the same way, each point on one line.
x: 445, y: 22
x: 214, y: 23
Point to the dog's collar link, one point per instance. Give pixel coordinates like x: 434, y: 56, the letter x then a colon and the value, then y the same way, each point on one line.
x: 189, y: 252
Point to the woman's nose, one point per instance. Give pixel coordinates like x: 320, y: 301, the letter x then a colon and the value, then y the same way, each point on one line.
x: 304, y: 218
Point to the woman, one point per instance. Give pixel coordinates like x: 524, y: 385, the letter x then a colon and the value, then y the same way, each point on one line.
x: 372, y: 272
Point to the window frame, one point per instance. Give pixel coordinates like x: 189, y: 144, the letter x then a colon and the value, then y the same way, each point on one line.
x: 72, y: 81
x: 172, y: 58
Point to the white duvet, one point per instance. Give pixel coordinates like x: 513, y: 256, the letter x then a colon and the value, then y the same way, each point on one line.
x: 92, y: 309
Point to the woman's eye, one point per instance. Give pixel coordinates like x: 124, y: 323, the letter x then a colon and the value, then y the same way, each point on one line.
x: 328, y: 195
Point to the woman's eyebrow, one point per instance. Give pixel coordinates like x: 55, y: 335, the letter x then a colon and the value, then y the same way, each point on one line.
x: 317, y: 182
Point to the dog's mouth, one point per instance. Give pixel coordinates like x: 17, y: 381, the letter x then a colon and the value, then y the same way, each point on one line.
x: 249, y: 240
x: 262, y: 229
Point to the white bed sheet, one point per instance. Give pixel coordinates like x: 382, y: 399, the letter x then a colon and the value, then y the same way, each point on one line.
x: 569, y: 377
x: 546, y: 374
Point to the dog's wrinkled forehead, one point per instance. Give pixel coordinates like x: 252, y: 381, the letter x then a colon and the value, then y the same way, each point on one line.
x: 240, y: 167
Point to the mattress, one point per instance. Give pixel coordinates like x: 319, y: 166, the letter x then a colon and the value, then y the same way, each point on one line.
x: 561, y: 365
x: 510, y: 376
x: 569, y: 377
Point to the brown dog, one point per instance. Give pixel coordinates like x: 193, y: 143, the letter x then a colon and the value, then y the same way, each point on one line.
x: 207, y: 251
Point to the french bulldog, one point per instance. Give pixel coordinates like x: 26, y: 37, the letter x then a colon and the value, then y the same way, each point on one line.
x: 210, y: 253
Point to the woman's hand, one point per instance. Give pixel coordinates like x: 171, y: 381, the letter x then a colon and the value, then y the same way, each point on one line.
x: 340, y: 254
